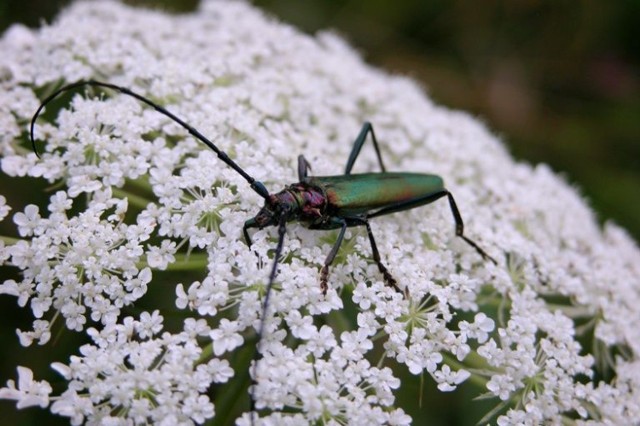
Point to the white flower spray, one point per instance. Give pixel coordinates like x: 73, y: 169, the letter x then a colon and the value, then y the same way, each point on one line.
x: 137, y: 199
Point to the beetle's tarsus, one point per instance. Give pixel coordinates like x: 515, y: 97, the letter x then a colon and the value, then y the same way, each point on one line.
x: 460, y: 228
x: 324, y: 273
x: 388, y: 278
x: 390, y: 281
x: 481, y: 252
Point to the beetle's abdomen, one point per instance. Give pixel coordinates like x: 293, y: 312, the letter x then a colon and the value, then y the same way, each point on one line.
x: 351, y: 195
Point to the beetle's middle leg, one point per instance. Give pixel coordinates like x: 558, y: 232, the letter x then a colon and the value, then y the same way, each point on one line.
x: 324, y: 272
x: 388, y: 278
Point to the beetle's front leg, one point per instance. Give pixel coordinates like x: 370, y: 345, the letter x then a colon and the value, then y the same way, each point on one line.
x: 324, y: 272
x: 251, y: 223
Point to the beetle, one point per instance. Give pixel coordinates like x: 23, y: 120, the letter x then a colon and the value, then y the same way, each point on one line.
x: 319, y: 202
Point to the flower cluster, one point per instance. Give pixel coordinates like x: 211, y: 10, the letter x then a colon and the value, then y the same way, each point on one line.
x: 145, y: 376
x: 136, y: 199
x: 77, y: 264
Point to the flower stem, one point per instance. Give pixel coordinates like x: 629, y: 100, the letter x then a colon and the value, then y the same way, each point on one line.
x: 141, y: 183
x: 133, y: 199
x: 9, y: 240
x: 474, y: 378
x: 184, y: 262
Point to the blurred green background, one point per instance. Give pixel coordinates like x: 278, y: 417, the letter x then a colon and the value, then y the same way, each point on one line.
x: 559, y: 80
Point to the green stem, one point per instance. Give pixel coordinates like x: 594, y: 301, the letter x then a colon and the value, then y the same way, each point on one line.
x: 457, y: 365
x: 206, y: 354
x: 473, y: 360
x: 184, y: 262
x: 21, y: 149
x: 232, y: 398
x: 9, y: 240
x: 135, y: 200
x: 141, y: 183
x: 572, y: 311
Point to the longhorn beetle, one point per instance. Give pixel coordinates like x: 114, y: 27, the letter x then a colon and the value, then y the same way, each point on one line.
x: 319, y: 202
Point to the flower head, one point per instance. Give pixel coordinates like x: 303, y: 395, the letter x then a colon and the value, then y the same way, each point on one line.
x: 141, y: 205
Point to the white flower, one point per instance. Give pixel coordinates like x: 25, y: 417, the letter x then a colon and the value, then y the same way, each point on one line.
x: 150, y: 324
x: 141, y: 377
x: 301, y: 327
x: 29, y: 392
x: 4, y: 208
x: 41, y: 332
x: 501, y: 386
x: 448, y: 379
x: 160, y: 257
x: 28, y: 222
x: 480, y: 328
x: 225, y: 338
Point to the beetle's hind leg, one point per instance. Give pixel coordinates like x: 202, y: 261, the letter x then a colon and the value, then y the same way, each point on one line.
x: 357, y: 146
x: 460, y: 229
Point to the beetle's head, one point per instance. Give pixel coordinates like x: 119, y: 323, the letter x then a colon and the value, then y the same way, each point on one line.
x: 269, y: 214
x: 276, y: 208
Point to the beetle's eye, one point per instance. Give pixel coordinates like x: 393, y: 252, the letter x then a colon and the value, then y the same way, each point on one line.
x: 264, y: 217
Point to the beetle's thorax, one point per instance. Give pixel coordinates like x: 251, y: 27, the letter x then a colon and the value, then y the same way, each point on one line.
x: 305, y: 202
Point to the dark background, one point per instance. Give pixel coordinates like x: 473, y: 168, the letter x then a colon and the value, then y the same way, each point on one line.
x: 558, y: 80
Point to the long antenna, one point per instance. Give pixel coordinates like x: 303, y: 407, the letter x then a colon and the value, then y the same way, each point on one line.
x: 257, y: 186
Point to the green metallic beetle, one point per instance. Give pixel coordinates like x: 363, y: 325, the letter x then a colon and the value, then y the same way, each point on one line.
x: 319, y: 202
x: 332, y: 202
